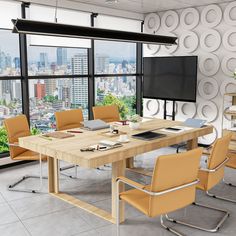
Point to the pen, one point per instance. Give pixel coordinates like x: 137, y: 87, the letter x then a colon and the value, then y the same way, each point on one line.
x: 74, y: 131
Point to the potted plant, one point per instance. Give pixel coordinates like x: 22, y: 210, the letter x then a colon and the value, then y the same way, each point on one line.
x: 134, y: 121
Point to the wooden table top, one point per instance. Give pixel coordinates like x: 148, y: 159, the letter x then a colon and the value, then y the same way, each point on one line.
x: 69, y: 149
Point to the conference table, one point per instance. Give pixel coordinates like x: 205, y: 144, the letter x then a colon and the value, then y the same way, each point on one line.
x: 68, y: 150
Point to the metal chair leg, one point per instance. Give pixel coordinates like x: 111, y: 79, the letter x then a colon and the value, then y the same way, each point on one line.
x: 11, y: 187
x: 215, y: 229
x: 229, y: 183
x: 69, y: 167
x: 220, y: 197
x: 168, y: 228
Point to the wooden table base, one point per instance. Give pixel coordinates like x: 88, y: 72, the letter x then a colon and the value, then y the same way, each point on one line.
x: 85, y: 206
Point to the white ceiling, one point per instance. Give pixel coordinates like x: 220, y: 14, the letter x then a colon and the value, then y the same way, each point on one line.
x: 147, y: 6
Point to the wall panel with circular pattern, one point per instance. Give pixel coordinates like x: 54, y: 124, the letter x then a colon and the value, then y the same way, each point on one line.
x: 186, y: 110
x: 230, y: 13
x: 228, y: 86
x: 208, y: 88
x: 209, y: 64
x: 169, y: 20
x: 170, y: 48
x: 229, y: 40
x: 228, y: 64
x: 152, y: 23
x: 207, y: 110
x: 188, y: 41
x: 210, y: 138
x: 210, y: 40
x: 152, y: 48
x: 211, y: 16
x: 189, y: 18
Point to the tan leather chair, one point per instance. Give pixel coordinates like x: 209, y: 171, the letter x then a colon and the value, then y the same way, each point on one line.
x: 68, y: 120
x: 210, y: 176
x: 16, y: 128
x: 173, y: 186
x: 230, y: 163
x: 106, y: 113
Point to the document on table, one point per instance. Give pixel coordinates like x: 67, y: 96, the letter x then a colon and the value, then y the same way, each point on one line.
x: 176, y: 129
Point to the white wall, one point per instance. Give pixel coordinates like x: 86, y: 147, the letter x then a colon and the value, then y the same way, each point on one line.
x: 210, y: 33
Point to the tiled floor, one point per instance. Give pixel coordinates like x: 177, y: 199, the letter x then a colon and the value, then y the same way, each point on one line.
x: 27, y: 214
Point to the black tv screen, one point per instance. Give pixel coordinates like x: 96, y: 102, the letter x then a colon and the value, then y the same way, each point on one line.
x: 170, y: 78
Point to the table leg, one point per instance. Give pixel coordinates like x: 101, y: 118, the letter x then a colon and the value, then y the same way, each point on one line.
x: 130, y: 162
x: 53, y: 179
x: 118, y: 169
x: 191, y: 144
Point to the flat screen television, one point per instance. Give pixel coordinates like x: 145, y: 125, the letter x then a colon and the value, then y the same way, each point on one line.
x: 170, y: 78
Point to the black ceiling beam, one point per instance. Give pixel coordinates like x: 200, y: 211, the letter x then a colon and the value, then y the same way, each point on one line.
x: 24, y: 26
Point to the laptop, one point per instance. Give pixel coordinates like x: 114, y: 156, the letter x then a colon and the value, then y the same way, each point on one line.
x: 195, y: 123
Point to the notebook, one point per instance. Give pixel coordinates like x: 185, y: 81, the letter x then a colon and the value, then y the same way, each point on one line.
x: 95, y: 124
x: 148, y: 135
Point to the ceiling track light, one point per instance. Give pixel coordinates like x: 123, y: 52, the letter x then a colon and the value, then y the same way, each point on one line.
x: 24, y: 26
x: 111, y: 1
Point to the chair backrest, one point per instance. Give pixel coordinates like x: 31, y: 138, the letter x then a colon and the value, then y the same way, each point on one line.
x: 106, y: 113
x: 219, y: 151
x: 173, y: 171
x: 218, y: 155
x: 16, y: 127
x: 68, y: 119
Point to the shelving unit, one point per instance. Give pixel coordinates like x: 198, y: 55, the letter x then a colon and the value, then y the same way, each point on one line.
x: 229, y: 120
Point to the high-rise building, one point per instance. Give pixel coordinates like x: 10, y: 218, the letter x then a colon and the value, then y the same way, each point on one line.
x: 7, y: 87
x: 50, y: 86
x: 16, y: 61
x: 79, y: 88
x: 102, y: 63
x: 39, y: 89
x: 61, y: 56
x: 43, y: 59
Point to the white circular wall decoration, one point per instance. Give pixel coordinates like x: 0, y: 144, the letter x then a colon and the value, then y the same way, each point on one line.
x: 169, y: 20
x: 210, y: 40
x: 170, y: 48
x: 210, y: 138
x: 208, y: 88
x: 228, y: 13
x: 211, y: 16
x: 207, y: 110
x: 153, y: 107
x: 152, y: 23
x: 227, y: 86
x: 189, y: 18
x: 188, y: 41
x: 152, y: 48
x: 227, y: 42
x: 209, y: 64
x: 187, y: 109
x: 226, y: 65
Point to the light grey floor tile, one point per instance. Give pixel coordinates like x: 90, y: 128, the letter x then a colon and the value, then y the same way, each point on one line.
x: 61, y: 223
x: 42, y: 204
x: 7, y: 215
x: 88, y: 233
x: 16, y: 229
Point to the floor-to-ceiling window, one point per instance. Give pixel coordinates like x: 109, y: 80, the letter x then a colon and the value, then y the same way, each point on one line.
x: 115, y: 67
x: 57, y: 71
x: 10, y: 72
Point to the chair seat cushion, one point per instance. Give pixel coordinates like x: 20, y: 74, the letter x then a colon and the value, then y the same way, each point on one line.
x: 137, y: 199
x: 30, y: 156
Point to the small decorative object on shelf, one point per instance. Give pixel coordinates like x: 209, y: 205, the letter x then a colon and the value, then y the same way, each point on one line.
x: 234, y: 75
x: 134, y: 121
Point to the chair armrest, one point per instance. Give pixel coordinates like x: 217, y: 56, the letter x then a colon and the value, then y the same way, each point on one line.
x: 13, y: 144
x: 142, y: 187
x: 130, y: 182
x: 217, y: 168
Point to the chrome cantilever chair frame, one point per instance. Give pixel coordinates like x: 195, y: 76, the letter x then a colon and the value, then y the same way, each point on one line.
x: 226, y: 213
x: 11, y: 187
x: 151, y: 194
